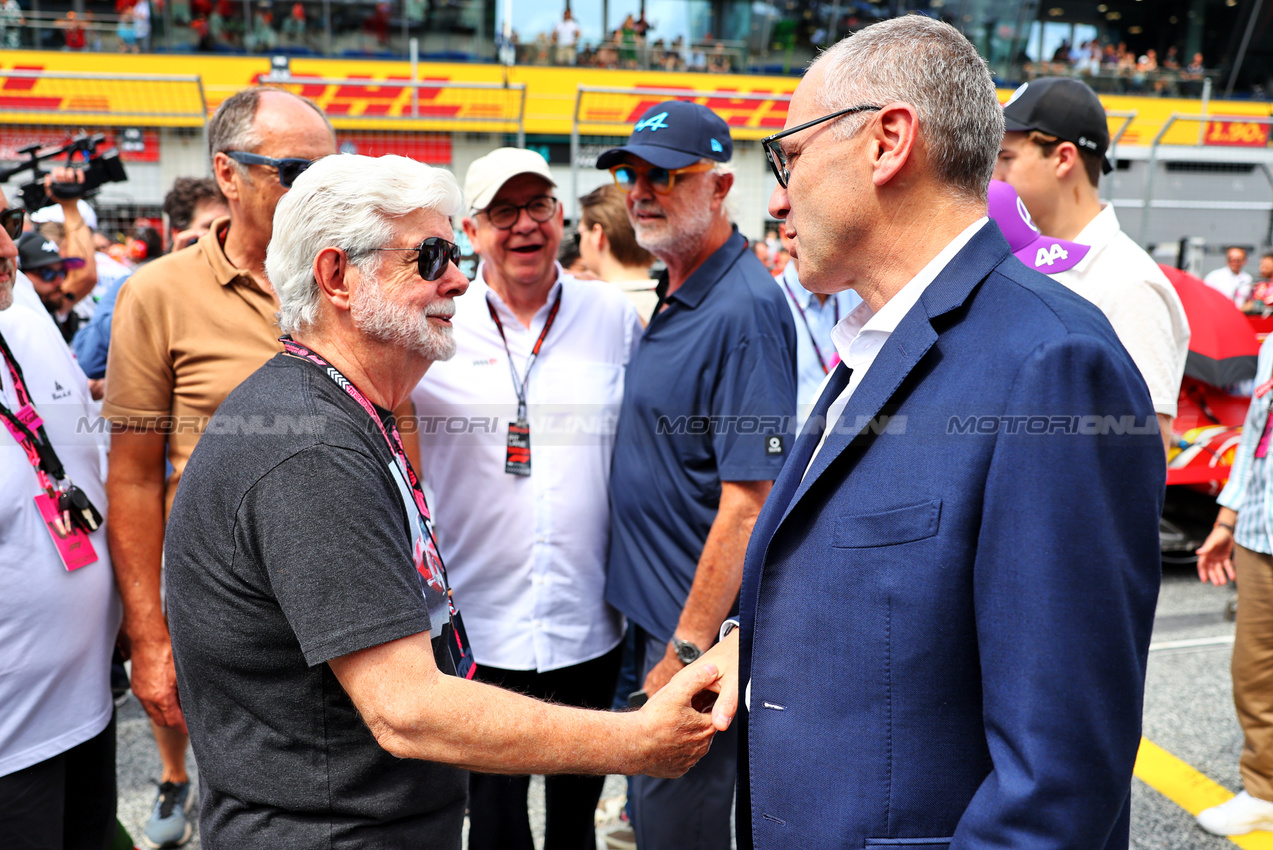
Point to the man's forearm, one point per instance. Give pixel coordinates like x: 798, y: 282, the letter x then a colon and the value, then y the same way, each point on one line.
x: 720, y: 568
x: 135, y: 528
x: 79, y: 243
x: 1164, y: 428
x: 414, y: 711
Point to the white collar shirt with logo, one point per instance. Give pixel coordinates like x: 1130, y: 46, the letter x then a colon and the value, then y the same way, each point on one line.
x: 526, y: 556
x: 57, y: 628
x: 859, y: 336
x: 1141, y: 304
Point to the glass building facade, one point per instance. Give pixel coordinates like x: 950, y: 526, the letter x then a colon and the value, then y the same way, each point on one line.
x: 1134, y: 46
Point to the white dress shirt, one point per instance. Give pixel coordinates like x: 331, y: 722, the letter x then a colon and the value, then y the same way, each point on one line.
x: 526, y: 556
x: 1140, y: 303
x: 860, y: 335
x: 1235, y: 287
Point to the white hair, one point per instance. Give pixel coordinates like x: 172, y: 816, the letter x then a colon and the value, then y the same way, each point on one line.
x: 931, y: 66
x: 346, y: 201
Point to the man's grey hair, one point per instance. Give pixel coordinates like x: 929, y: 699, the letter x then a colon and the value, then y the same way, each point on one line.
x: 931, y: 66
x: 233, y: 125
x: 348, y: 202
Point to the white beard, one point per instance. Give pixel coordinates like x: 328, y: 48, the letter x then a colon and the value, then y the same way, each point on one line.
x: 403, y: 326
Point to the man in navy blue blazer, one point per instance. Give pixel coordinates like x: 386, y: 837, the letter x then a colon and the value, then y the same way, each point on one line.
x: 947, y: 599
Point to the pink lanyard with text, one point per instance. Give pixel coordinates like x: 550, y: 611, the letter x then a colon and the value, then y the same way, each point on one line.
x: 392, y: 439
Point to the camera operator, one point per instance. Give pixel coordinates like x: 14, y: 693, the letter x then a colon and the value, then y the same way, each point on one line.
x: 76, y: 240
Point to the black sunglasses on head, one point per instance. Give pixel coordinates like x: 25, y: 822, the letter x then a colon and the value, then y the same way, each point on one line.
x: 288, y: 168
x: 435, y: 253
x: 11, y: 222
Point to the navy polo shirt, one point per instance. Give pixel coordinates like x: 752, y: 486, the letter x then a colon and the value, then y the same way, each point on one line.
x: 709, y: 396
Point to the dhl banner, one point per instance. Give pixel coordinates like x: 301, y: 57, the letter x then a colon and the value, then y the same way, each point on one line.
x: 753, y: 106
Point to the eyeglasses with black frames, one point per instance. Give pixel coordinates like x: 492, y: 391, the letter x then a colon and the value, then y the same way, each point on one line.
x: 435, y: 254
x: 503, y: 216
x: 778, y: 159
x: 288, y: 168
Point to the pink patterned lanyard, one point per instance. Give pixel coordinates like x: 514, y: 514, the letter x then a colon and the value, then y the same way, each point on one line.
x: 392, y: 439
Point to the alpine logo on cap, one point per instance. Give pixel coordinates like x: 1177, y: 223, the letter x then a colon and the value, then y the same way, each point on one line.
x: 51, y: 247
x: 653, y: 123
x: 716, y: 146
x: 1016, y: 94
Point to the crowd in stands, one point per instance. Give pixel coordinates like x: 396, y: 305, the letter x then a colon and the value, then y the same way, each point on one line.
x: 1108, y: 66
x: 271, y: 567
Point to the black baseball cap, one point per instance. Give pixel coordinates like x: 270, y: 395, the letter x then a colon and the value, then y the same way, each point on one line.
x: 1061, y: 107
x: 674, y: 134
x: 36, y: 251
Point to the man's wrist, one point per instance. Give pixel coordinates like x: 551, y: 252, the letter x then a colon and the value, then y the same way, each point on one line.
x: 686, y: 651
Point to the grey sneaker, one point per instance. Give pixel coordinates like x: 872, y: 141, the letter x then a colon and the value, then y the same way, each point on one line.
x: 169, y: 824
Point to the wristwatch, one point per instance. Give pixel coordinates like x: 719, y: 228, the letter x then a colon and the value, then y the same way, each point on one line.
x: 686, y: 652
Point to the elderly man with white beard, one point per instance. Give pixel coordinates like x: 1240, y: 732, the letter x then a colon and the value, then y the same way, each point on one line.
x: 708, y: 408
x: 312, y: 622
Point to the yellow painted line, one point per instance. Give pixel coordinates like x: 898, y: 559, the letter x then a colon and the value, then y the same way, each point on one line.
x: 1188, y: 788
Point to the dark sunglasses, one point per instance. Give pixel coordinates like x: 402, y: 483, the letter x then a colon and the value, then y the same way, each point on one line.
x: 778, y: 159
x: 48, y: 274
x: 288, y: 168
x: 661, y: 179
x: 11, y: 221
x: 435, y: 253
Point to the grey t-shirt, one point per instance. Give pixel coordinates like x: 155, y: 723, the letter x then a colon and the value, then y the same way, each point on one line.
x: 291, y: 543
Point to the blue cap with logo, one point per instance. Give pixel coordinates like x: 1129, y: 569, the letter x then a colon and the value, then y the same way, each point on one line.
x: 674, y: 134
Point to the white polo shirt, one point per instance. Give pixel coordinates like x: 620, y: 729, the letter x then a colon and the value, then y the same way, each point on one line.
x: 1142, y: 305
x: 526, y: 555
x: 57, y: 628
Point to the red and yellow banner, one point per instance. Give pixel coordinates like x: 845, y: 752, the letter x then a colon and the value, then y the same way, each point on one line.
x: 360, y: 95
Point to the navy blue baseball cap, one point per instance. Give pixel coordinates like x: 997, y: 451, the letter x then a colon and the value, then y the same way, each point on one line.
x: 674, y: 134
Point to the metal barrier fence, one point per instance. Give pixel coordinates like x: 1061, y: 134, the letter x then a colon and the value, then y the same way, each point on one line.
x: 611, y: 112
x: 414, y: 118
x: 1227, y: 151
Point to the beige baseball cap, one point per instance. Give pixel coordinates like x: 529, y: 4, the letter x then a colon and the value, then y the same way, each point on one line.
x: 488, y: 174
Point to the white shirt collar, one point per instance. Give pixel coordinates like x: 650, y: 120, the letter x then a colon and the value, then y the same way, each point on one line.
x: 861, y: 333
x: 492, y: 297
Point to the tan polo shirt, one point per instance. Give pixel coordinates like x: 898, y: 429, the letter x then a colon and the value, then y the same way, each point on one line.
x: 188, y: 328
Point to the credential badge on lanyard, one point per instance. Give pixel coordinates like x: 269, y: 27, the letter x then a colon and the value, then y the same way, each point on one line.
x: 68, y: 513
x: 517, y: 456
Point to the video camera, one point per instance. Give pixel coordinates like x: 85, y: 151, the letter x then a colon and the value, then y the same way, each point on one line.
x: 81, y: 152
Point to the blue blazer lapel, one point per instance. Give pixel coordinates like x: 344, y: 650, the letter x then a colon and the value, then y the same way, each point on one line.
x: 906, y: 347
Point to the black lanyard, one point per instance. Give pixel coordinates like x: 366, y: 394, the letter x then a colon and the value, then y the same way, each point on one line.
x: 817, y: 352
x: 36, y: 443
x: 520, y: 384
